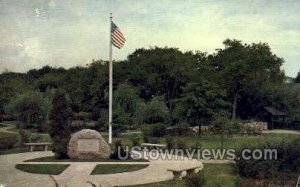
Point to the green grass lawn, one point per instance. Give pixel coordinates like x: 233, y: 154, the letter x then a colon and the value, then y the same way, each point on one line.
x: 219, y: 175
x: 54, y: 159
x: 206, y: 141
x: 117, y: 168
x: 4, y: 134
x: 213, y: 141
x: 49, y: 169
x: 14, y: 150
x: 222, y: 175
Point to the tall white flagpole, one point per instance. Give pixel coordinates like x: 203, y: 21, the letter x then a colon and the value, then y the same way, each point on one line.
x: 110, y: 86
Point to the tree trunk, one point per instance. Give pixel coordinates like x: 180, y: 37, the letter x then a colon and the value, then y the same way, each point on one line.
x: 199, y: 131
x: 222, y: 140
x: 234, y: 106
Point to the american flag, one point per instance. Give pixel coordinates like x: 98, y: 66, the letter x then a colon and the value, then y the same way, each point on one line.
x: 117, y: 38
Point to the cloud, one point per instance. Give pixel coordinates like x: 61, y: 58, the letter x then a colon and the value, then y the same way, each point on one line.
x: 68, y: 33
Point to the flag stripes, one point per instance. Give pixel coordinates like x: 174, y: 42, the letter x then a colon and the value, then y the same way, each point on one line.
x: 117, y: 38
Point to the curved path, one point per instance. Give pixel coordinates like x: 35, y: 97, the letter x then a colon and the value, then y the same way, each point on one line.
x: 6, y: 128
x: 282, y: 131
x: 78, y: 173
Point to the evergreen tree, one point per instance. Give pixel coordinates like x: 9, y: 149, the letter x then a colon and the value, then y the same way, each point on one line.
x: 60, y: 126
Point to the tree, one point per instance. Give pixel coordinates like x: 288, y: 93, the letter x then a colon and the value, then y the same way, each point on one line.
x: 297, y: 79
x: 222, y: 126
x: 125, y: 104
x: 245, y: 70
x: 60, y: 131
x: 160, y: 71
x: 154, y: 111
x: 200, y: 102
x: 11, y: 84
x: 31, y: 108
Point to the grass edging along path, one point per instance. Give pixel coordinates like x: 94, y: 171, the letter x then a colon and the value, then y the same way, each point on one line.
x: 117, y: 168
x: 53, y: 159
x: 49, y: 169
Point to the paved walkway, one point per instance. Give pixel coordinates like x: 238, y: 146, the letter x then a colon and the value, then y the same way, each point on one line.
x: 78, y: 173
x: 6, y: 128
x: 281, y: 131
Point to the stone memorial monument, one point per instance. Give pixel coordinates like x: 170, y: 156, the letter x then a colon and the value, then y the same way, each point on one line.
x: 88, y: 144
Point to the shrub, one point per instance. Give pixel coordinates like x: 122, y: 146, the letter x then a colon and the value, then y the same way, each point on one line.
x: 195, y: 180
x: 35, y: 138
x: 82, y: 116
x: 44, y: 127
x: 170, y: 142
x: 153, y: 112
x: 119, y: 151
x: 30, y: 108
x: 153, y: 140
x: 24, y: 136
x: 135, y: 140
x: 181, y: 143
x: 118, y: 129
x: 8, y: 142
x: 60, y: 128
x: 146, y: 139
x: 196, y: 144
x: 156, y: 130
x: 179, y: 130
x: 288, y: 161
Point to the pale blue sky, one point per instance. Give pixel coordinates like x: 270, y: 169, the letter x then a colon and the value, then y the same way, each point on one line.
x: 34, y: 33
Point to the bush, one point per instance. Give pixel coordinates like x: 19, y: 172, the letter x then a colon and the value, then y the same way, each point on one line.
x: 146, y: 139
x: 135, y: 140
x: 82, y: 116
x: 60, y: 127
x: 8, y: 142
x: 118, y: 146
x: 153, y: 112
x: 118, y: 129
x: 30, y: 108
x: 179, y: 130
x: 171, y: 143
x: 181, y: 143
x: 196, y: 145
x: 195, y: 180
x: 288, y: 161
x: 44, y: 127
x: 153, y: 140
x: 24, y: 136
x: 35, y: 138
x: 156, y: 130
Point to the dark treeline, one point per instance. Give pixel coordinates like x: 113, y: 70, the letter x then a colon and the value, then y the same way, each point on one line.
x: 157, y: 85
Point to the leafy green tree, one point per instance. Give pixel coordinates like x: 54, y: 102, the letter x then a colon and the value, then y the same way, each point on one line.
x: 50, y: 81
x: 190, y: 85
x: 60, y: 131
x: 11, y: 84
x: 154, y: 111
x: 31, y: 108
x: 222, y: 126
x: 95, y: 99
x: 160, y: 71
x: 245, y: 70
x: 200, y: 102
x: 125, y: 104
x: 297, y: 79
